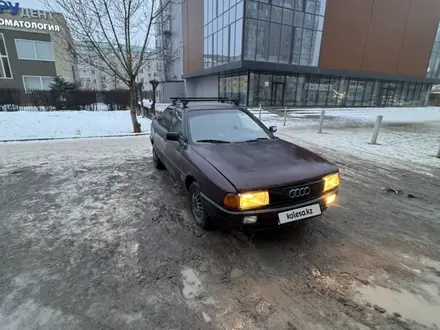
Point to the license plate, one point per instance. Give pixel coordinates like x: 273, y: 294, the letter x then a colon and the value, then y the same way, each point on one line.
x: 298, y: 214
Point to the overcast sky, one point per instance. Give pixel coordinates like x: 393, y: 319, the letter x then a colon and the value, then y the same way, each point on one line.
x: 34, y: 4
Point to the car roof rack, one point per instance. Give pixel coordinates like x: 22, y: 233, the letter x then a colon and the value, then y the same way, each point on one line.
x: 186, y: 100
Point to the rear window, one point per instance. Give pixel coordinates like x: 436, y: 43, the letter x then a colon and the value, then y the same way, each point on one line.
x: 224, y: 125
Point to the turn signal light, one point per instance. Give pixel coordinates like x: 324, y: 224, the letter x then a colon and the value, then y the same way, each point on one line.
x: 331, y: 181
x: 247, y: 200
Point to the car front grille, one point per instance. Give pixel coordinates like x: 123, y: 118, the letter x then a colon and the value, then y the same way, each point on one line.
x: 282, y: 196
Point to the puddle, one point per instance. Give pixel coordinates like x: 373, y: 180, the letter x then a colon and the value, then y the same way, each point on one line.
x: 192, y: 287
x: 408, y: 305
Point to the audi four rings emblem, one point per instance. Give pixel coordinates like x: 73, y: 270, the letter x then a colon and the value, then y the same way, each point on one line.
x: 300, y: 192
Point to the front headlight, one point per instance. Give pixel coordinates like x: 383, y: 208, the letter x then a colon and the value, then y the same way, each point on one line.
x: 247, y: 200
x: 331, y: 181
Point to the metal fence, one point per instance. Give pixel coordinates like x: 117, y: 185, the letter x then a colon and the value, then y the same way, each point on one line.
x: 19, y: 100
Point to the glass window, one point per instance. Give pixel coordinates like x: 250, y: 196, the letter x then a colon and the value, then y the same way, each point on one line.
x: 238, y: 38
x: 176, y: 123
x: 320, y: 7
x: 215, y: 50
x: 312, y: 92
x: 333, y: 92
x: 251, y: 9
x: 368, y: 93
x: 277, y: 14
x: 5, y: 68
x: 308, y: 21
x: 239, y: 8
x: 317, y: 36
x: 286, y: 42
x: 231, y: 13
x: 290, y: 90
x: 323, y: 92
x: 210, y: 51
x: 359, y: 93
x: 301, y: 91
x: 375, y: 97
x: 298, y: 19
x: 165, y: 118
x: 416, y: 97
x: 235, y: 90
x: 265, y: 90
x: 306, y: 47
x: 287, y: 16
x: 274, y: 45
x: 2, y: 45
x: 262, y: 40
x: 264, y: 11
x: 205, y: 12
x: 311, y: 6
x: 251, y: 39
x: 253, y: 89
x: 297, y: 46
x: 300, y: 5
x: 220, y: 47
x: 277, y: 2
x: 222, y: 87
x: 25, y: 49
x: 398, y: 92
x: 289, y: 3
x: 243, y: 89
x: 229, y: 126
x: 226, y: 45
x: 33, y: 83
x: 232, y: 42
x: 341, y: 94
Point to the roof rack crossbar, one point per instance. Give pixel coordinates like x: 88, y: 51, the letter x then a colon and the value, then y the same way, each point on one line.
x: 186, y: 100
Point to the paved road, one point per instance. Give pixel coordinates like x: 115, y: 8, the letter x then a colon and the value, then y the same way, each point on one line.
x: 93, y: 237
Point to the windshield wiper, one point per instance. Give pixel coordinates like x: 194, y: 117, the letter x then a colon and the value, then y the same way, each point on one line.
x: 212, y: 141
x: 257, y: 139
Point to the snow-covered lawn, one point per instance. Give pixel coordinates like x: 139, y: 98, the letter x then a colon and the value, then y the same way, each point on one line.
x: 25, y: 125
x: 409, y: 137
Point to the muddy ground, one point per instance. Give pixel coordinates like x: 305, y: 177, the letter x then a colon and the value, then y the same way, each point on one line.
x: 93, y: 237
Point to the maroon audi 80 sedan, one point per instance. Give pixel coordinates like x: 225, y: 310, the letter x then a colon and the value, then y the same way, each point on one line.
x: 236, y: 172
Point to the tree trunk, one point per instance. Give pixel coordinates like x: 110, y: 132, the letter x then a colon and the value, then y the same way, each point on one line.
x: 153, y: 106
x: 133, y: 108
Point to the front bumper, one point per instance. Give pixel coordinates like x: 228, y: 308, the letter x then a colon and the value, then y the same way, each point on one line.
x: 266, y: 218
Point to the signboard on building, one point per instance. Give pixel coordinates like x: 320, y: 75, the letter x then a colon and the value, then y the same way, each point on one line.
x: 28, y: 15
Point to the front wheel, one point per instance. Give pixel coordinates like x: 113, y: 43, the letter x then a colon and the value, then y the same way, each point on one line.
x: 156, y: 160
x: 201, y: 217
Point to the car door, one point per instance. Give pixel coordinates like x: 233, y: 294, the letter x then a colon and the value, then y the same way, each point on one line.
x: 160, y: 131
x: 173, y: 149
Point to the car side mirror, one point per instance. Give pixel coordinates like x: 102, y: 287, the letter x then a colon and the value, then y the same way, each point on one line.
x: 273, y: 129
x: 173, y: 136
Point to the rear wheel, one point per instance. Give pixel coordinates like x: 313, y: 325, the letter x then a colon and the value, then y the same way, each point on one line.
x: 156, y: 160
x: 201, y: 217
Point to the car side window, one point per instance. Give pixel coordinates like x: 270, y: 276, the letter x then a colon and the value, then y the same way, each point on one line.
x: 176, y: 123
x: 166, y: 117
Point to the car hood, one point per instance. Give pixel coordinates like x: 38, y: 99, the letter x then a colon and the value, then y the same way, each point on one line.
x: 265, y: 164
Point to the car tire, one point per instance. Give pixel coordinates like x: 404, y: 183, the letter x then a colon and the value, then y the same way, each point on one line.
x: 156, y: 160
x: 199, y: 212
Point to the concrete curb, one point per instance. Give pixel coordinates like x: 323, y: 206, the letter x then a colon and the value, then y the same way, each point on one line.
x: 75, y: 137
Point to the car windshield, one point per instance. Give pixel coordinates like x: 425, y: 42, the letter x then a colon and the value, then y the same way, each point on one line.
x: 224, y: 126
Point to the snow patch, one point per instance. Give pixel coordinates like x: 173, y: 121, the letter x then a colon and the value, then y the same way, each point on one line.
x: 66, y: 124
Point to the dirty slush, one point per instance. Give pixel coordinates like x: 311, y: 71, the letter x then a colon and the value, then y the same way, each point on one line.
x: 92, y: 237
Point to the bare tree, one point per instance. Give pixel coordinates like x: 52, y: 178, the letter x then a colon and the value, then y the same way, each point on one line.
x: 114, y: 36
